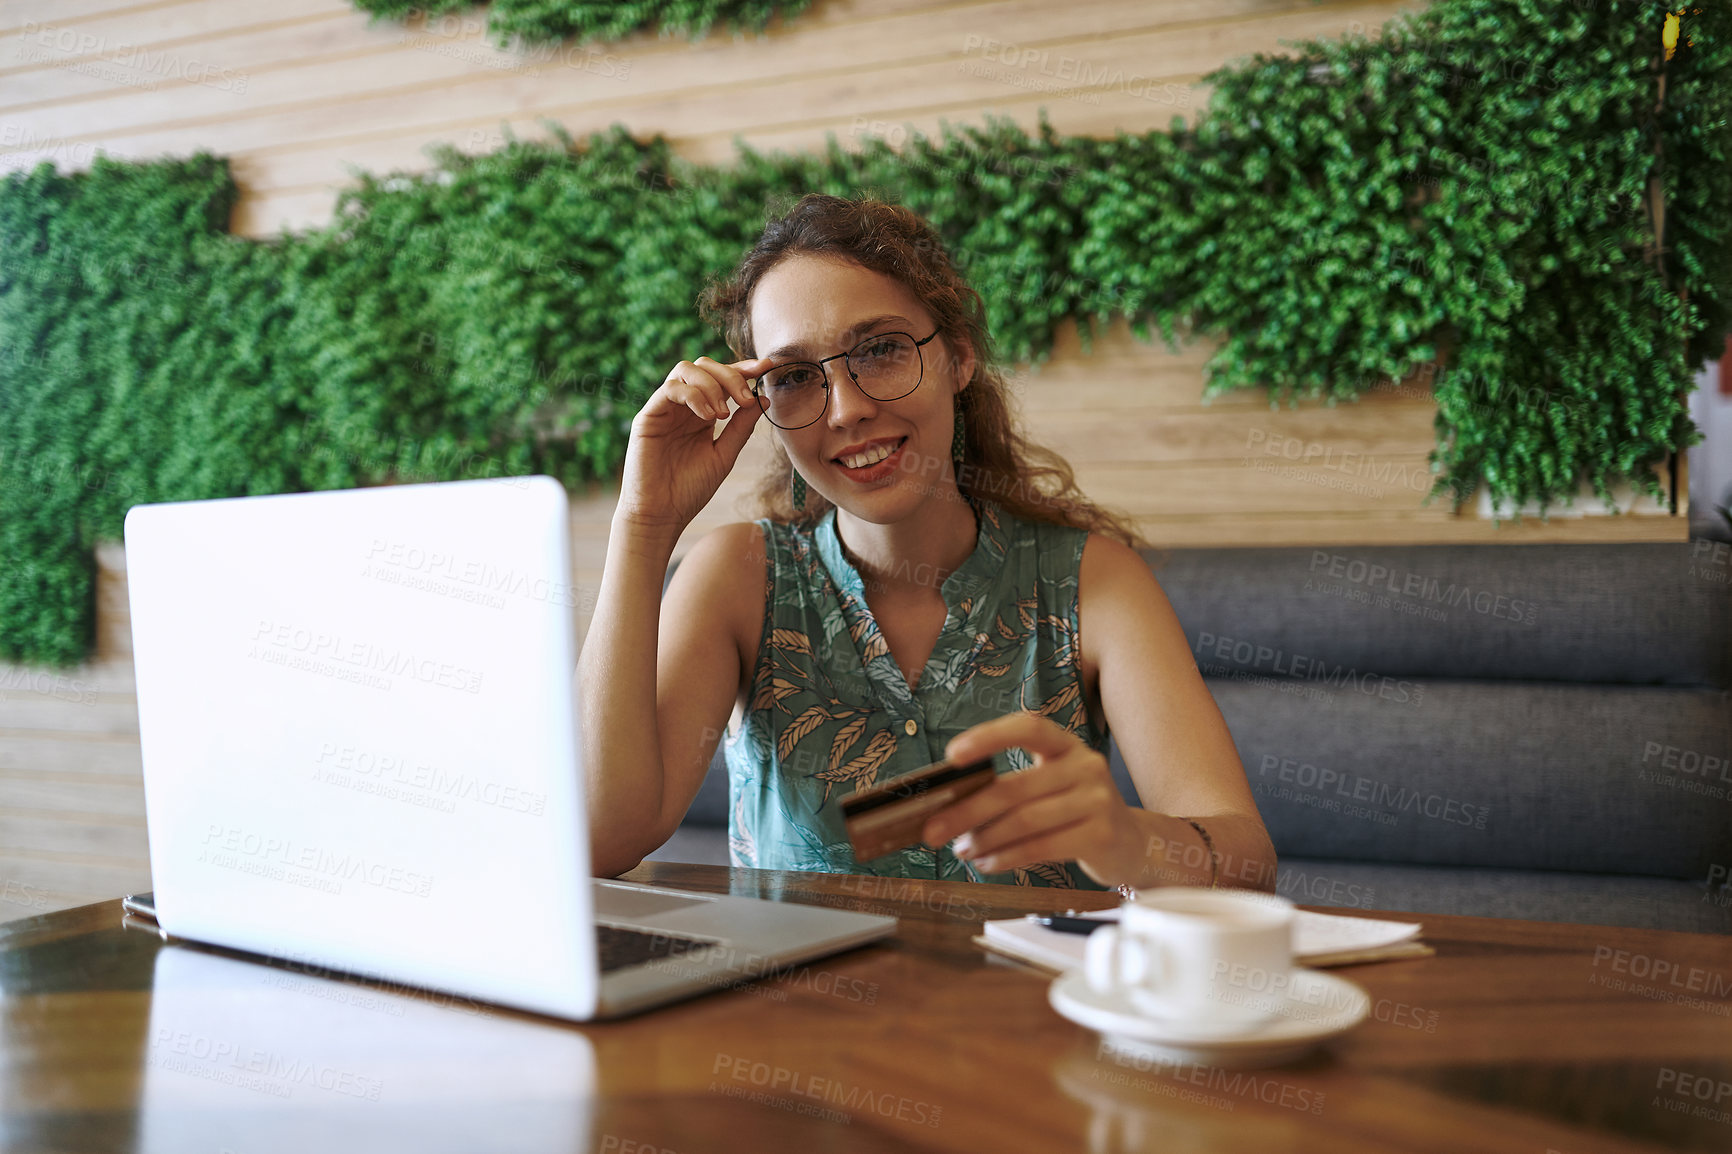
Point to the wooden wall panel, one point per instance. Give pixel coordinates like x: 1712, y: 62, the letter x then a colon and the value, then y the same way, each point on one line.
x: 296, y: 91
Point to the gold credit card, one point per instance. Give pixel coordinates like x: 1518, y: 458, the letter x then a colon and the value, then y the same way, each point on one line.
x: 889, y: 817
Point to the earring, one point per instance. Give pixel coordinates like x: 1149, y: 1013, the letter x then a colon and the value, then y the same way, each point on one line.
x: 959, y: 439
x: 798, y: 488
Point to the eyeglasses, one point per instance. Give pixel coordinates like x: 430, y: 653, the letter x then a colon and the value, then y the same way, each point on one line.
x: 886, y: 367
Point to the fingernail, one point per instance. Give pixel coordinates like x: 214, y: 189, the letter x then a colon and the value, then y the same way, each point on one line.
x: 963, y: 845
x: 987, y: 865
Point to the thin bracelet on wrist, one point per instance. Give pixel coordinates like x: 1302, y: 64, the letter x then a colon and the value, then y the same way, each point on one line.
x: 1208, y: 844
x: 1129, y: 892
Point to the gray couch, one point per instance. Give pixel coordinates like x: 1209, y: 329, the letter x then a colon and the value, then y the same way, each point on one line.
x: 1528, y: 731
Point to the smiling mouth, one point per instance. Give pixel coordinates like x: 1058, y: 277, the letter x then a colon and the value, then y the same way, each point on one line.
x: 870, y: 455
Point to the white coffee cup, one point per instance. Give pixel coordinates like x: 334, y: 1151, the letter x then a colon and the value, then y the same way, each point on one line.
x: 1197, y: 956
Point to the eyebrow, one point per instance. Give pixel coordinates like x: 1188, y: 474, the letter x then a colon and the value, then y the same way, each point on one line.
x: 804, y: 352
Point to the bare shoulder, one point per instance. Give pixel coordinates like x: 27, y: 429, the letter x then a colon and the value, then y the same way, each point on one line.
x: 1120, y: 605
x: 721, y: 578
x: 723, y: 552
x: 1112, y: 568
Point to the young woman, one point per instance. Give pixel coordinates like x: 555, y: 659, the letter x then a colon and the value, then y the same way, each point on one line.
x: 924, y: 584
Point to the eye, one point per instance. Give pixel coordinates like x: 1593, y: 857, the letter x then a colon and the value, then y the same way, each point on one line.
x: 793, y: 377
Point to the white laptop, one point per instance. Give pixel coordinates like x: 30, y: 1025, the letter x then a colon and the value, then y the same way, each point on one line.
x: 360, y: 751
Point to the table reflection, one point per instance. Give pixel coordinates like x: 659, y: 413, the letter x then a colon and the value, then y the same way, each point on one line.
x: 257, y: 1058
x: 1170, y: 1108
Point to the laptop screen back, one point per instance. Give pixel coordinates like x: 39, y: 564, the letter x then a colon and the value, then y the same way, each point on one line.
x: 356, y: 719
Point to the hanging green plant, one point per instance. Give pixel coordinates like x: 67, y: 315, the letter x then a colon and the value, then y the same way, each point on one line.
x: 541, y: 21
x: 1475, y: 191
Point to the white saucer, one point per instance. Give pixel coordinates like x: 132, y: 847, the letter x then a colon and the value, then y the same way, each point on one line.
x: 1319, y: 1006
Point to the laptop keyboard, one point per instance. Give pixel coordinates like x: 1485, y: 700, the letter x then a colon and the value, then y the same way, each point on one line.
x: 619, y: 947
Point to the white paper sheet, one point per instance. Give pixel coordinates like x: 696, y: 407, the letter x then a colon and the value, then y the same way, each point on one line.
x: 1314, y: 935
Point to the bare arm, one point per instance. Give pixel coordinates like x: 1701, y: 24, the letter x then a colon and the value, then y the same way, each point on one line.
x: 1170, y: 731
x: 616, y: 692
x: 639, y: 740
x: 660, y: 674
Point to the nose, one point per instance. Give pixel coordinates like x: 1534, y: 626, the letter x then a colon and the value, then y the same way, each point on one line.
x: 847, y: 403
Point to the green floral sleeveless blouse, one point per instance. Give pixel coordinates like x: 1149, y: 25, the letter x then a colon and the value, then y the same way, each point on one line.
x: 830, y: 713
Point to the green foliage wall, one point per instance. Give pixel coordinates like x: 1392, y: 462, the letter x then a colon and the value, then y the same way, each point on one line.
x: 1474, y: 181
x: 549, y: 20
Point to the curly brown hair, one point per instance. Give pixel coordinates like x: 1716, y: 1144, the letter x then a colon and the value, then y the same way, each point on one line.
x: 998, y: 463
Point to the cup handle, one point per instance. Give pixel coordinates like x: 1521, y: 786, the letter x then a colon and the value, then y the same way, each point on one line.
x: 1155, y: 957
x: 1101, y: 959
x: 1111, y: 960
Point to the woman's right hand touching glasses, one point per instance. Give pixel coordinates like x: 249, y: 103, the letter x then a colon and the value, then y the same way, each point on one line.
x: 675, y: 462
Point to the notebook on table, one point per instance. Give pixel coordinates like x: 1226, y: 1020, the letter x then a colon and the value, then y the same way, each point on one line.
x: 1319, y: 940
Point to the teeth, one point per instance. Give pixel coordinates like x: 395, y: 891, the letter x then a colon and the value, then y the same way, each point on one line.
x: 871, y: 456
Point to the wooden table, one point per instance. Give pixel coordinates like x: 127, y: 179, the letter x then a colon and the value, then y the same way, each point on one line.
x: 1518, y: 1036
